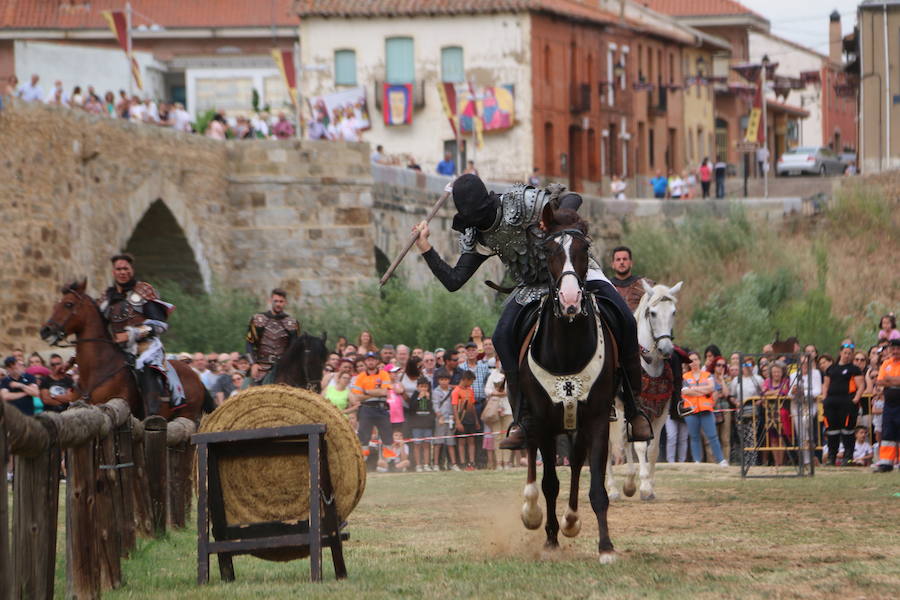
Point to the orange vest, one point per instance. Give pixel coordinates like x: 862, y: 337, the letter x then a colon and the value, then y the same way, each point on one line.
x: 697, y: 403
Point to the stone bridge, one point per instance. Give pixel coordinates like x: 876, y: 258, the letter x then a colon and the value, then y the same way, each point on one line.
x: 312, y: 217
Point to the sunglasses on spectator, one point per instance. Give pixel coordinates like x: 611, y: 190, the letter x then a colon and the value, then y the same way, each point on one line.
x: 851, y: 346
x: 720, y: 364
x: 859, y: 360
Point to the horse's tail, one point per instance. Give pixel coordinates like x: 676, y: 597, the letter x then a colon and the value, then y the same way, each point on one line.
x: 209, y: 404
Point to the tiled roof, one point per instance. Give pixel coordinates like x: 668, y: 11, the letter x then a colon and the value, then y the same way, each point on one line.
x: 172, y: 14
x: 419, y: 8
x: 699, y: 8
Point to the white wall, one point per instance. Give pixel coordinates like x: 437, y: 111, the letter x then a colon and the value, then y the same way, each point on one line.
x: 105, y: 68
x: 791, y: 61
x: 496, y: 51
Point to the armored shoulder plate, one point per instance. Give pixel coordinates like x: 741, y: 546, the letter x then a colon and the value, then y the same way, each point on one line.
x: 259, y: 320
x: 145, y: 291
x: 291, y: 324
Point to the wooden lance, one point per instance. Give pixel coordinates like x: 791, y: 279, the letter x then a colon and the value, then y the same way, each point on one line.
x: 412, y: 239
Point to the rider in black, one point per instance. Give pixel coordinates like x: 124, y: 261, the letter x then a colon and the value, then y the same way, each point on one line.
x: 509, y: 226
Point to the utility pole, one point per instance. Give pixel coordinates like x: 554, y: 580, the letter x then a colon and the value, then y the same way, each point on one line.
x: 765, y: 110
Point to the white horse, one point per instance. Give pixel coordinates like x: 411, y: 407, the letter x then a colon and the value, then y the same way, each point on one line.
x: 655, y: 317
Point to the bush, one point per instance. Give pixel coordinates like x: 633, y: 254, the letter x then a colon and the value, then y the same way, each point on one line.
x: 207, y: 323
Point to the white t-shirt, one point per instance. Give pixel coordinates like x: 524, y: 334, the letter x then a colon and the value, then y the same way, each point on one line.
x: 676, y: 187
x: 181, y: 120
x: 490, y: 386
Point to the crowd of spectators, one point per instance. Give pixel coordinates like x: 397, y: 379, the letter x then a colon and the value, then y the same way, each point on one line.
x: 448, y: 407
x: 146, y: 110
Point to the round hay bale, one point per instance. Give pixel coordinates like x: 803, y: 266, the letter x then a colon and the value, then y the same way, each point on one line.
x: 276, y: 488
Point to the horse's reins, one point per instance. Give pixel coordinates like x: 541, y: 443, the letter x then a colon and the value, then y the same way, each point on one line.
x: 555, y: 282
x: 61, y: 328
x: 656, y: 338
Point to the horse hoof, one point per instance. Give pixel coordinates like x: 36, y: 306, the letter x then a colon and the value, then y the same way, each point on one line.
x: 532, y: 516
x: 648, y: 496
x: 629, y: 489
x: 607, y: 558
x: 571, y: 524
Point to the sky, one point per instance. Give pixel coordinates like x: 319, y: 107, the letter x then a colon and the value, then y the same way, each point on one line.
x: 805, y: 21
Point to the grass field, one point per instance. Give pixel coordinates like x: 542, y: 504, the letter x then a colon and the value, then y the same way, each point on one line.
x: 458, y: 535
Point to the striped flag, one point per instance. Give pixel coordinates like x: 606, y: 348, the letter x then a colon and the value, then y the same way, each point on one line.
x: 447, y: 92
x: 118, y: 24
x: 285, y: 61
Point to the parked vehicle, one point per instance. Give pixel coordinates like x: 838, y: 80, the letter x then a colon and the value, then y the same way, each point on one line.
x: 812, y: 160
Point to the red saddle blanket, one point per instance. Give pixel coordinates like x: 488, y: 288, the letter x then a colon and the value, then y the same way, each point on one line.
x: 656, y: 392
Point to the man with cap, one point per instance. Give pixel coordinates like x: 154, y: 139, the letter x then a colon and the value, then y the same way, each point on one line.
x: 18, y: 387
x: 137, y: 318
x: 370, y: 390
x: 889, y: 380
x: 509, y: 225
x: 479, y: 369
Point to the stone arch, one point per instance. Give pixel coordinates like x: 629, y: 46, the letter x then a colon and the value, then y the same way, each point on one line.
x: 162, y: 251
x: 158, y: 208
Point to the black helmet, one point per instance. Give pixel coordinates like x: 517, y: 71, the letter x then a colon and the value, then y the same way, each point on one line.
x: 475, y: 206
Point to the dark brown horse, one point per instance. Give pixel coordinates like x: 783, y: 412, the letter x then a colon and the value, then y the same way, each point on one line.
x: 103, y: 367
x: 570, y: 360
x: 303, y: 362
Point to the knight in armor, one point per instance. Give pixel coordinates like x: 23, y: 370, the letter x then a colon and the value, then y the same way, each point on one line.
x: 136, y: 318
x: 509, y: 226
x: 627, y: 283
x: 269, y: 334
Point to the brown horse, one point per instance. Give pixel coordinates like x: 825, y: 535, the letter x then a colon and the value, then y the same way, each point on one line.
x: 569, y: 361
x: 103, y: 367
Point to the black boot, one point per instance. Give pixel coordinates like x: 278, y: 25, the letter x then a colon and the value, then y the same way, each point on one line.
x: 151, y: 390
x: 516, y: 438
x: 639, y: 427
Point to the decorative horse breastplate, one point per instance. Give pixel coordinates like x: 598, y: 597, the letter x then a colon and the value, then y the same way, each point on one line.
x: 572, y: 388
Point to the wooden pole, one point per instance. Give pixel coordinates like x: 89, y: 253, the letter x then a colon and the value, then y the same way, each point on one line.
x: 178, y: 435
x: 412, y: 240
x: 5, y: 564
x: 35, y: 510
x: 83, y: 562
x: 156, y: 465
x: 140, y: 490
x: 109, y: 516
x: 125, y: 455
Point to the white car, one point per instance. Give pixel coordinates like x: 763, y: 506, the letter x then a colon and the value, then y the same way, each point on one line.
x: 812, y: 160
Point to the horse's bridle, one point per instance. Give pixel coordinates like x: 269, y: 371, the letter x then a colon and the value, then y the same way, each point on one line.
x: 555, y: 282
x: 60, y: 328
x: 657, y: 338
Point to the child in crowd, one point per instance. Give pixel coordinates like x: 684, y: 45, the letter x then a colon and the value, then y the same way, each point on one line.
x: 443, y: 428
x: 467, y: 421
x: 395, y: 398
x: 862, y: 450
x: 420, y: 417
x: 397, y: 454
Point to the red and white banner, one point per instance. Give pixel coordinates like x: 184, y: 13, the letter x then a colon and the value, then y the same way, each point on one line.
x: 118, y: 24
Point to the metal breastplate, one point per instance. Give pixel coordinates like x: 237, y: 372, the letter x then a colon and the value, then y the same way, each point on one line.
x: 516, y: 238
x: 274, y: 340
x: 125, y: 313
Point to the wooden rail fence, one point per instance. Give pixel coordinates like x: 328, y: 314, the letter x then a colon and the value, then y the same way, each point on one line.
x: 124, y: 478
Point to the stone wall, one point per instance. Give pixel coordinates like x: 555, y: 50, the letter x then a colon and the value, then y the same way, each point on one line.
x: 74, y: 187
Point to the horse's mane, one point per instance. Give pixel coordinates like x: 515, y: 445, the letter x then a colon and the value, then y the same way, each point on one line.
x: 566, y: 218
x: 660, y: 294
x: 290, y: 368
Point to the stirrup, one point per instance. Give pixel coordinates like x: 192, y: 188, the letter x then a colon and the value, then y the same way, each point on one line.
x: 628, y: 427
x: 511, y: 442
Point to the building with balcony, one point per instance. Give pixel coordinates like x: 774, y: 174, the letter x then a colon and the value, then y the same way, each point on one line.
x: 577, y: 76
x: 203, y: 53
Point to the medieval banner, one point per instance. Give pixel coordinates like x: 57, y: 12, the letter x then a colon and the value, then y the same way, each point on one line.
x: 493, y: 106
x: 118, y: 24
x: 285, y: 61
x: 447, y: 93
x: 397, y: 103
x: 331, y: 109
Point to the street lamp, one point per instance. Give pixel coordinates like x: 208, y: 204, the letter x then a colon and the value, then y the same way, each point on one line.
x: 765, y: 125
x: 619, y: 69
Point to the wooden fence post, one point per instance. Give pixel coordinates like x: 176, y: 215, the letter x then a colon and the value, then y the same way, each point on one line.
x: 5, y: 566
x: 181, y: 461
x: 140, y: 490
x: 156, y: 465
x: 109, y: 515
x: 36, y: 502
x: 125, y: 455
x: 83, y: 562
